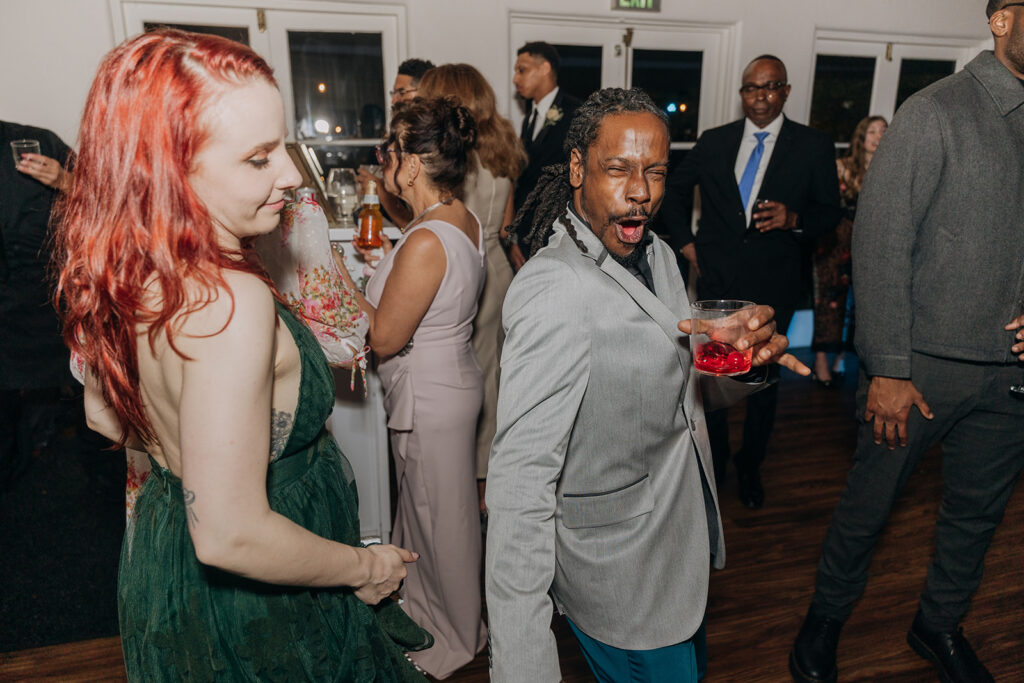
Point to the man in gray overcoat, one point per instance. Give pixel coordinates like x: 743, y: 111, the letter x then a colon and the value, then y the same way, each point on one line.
x: 938, y: 272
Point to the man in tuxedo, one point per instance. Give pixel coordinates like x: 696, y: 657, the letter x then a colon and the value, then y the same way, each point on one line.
x: 599, y: 486
x: 767, y: 184
x: 548, y: 112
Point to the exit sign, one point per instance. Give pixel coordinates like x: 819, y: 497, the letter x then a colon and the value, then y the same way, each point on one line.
x: 638, y: 5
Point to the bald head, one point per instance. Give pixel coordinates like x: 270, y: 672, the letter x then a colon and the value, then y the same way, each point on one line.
x: 764, y: 90
x: 766, y: 58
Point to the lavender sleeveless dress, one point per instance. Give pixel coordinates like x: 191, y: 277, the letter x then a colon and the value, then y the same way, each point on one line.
x: 433, y: 394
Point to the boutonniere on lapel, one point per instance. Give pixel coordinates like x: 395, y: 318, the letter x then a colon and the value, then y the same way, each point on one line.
x: 553, y: 116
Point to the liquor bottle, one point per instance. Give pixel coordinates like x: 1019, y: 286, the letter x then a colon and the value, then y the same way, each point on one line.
x: 371, y: 222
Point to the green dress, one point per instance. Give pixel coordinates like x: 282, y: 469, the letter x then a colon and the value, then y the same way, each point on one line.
x: 182, y: 620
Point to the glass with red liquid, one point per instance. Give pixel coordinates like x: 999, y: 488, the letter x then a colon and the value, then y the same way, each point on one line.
x: 716, y: 327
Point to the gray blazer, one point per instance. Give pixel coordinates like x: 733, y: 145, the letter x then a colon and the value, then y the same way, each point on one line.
x: 600, y: 486
x: 938, y: 243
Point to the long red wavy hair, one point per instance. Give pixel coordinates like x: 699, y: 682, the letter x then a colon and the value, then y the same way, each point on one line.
x: 131, y: 223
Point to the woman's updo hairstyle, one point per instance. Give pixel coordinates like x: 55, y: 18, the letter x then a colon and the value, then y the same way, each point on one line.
x: 442, y: 133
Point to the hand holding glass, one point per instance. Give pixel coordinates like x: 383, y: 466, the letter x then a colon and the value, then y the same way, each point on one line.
x: 716, y: 327
x: 19, y: 147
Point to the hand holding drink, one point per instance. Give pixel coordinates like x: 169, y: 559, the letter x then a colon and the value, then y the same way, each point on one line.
x: 717, y: 327
x: 20, y: 147
x: 729, y: 337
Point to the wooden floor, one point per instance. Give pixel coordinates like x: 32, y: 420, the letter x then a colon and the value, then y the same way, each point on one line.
x: 757, y: 602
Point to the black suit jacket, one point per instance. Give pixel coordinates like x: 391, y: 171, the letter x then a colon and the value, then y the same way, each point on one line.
x: 32, y: 352
x: 546, y: 149
x: 736, y: 263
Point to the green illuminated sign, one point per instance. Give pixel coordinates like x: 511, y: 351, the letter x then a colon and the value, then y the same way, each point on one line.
x: 638, y: 5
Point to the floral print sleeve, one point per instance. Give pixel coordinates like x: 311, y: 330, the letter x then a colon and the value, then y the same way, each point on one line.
x: 298, y: 258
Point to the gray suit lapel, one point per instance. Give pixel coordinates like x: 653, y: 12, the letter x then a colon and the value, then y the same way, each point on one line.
x: 664, y: 313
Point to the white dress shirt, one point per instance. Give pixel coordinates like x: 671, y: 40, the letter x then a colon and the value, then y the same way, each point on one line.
x: 747, y: 145
x: 541, y: 108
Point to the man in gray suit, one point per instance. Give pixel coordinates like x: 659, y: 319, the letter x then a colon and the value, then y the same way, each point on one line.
x: 600, y: 485
x: 938, y: 269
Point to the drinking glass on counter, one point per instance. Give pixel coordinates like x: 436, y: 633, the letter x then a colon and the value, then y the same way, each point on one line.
x: 717, y: 326
x: 342, y: 195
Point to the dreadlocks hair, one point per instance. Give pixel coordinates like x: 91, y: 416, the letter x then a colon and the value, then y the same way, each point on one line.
x: 548, y: 200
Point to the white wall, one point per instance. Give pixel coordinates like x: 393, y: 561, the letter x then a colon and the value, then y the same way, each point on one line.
x: 50, y: 48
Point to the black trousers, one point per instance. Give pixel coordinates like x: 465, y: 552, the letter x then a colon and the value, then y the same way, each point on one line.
x: 979, y: 425
x: 757, y: 426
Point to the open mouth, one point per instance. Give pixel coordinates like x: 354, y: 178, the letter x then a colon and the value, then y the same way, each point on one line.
x: 630, y: 230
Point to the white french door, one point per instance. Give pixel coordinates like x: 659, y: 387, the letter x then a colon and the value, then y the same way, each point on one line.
x: 286, y: 30
x: 278, y: 36
x: 681, y: 66
x: 858, y: 75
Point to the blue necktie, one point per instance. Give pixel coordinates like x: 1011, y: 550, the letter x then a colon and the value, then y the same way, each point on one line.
x: 750, y: 172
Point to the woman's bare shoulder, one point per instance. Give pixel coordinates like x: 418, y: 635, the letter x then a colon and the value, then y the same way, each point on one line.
x: 419, y: 243
x: 239, y: 309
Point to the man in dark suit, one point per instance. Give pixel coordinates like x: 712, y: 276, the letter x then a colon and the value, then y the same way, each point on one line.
x: 33, y: 358
x: 548, y: 112
x: 766, y: 185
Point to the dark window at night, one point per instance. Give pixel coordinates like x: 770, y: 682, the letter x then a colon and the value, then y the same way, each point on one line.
x: 338, y: 85
x: 916, y: 74
x: 580, y: 70
x: 842, y: 94
x: 239, y: 34
x: 672, y: 79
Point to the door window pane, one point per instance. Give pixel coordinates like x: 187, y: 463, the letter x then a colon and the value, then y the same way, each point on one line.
x: 916, y: 74
x: 842, y: 94
x: 580, y: 70
x: 338, y: 85
x: 672, y: 79
x: 239, y: 34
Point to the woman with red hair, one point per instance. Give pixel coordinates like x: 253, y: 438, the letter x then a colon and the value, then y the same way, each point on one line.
x: 242, y: 558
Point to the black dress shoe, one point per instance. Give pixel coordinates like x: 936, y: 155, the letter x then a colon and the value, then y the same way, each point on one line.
x: 949, y: 652
x: 823, y: 383
x: 751, y: 490
x: 813, y: 657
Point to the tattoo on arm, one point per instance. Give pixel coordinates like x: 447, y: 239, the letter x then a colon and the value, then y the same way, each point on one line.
x: 190, y: 513
x: 280, y: 430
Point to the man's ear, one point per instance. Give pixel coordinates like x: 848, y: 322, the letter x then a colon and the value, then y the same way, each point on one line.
x: 576, y: 164
x: 1000, y: 23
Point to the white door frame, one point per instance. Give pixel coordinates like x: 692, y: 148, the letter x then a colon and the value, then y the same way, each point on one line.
x: 888, y: 49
